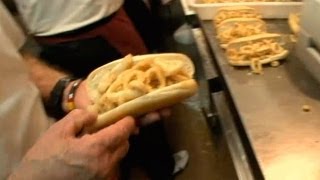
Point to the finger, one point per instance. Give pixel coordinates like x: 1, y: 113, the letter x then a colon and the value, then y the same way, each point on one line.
x: 117, y: 133
x: 76, y: 120
x: 121, y: 151
x: 81, y: 98
x: 149, y: 119
x: 165, y: 112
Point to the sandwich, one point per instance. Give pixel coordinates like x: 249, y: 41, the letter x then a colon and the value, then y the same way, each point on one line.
x: 136, y: 85
x: 235, y: 28
x: 256, y: 50
x: 235, y: 12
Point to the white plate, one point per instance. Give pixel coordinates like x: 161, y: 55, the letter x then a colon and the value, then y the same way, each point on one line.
x: 268, y: 10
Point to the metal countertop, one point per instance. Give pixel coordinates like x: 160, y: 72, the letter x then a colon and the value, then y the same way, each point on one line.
x: 284, y: 138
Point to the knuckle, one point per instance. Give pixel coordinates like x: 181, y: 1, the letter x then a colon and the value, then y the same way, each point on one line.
x: 96, y: 149
x: 83, y: 114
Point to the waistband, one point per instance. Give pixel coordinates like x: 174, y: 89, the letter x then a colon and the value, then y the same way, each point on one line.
x: 69, y: 35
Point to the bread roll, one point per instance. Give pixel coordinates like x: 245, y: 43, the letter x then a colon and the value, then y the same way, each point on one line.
x: 263, y: 47
x: 235, y: 12
x: 235, y: 28
x: 136, y: 85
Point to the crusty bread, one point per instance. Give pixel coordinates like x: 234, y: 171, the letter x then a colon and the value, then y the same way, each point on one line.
x: 151, y: 101
x: 255, y: 38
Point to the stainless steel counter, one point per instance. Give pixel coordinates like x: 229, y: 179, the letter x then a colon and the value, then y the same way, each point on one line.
x: 285, y: 139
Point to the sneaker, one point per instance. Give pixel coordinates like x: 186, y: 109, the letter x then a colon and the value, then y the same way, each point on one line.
x: 181, y: 159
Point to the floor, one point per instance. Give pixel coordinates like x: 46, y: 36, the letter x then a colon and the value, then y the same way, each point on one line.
x: 188, y: 128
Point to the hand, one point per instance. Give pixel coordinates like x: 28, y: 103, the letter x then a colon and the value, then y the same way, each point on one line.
x: 82, y: 101
x: 60, y: 154
x: 153, y: 117
x: 81, y: 98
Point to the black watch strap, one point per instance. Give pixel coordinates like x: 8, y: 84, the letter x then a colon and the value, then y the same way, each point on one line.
x: 54, y: 107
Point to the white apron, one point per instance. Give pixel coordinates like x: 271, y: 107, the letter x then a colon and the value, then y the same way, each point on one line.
x: 22, y: 118
x: 50, y: 17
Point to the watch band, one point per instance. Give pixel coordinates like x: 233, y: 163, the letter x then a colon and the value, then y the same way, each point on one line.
x: 54, y: 104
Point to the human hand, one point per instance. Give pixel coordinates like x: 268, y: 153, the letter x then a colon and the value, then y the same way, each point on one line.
x: 153, y: 117
x: 61, y: 154
x: 82, y: 99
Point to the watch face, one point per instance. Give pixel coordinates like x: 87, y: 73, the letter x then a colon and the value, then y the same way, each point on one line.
x: 54, y: 106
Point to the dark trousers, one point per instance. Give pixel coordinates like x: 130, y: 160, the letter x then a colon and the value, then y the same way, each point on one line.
x: 146, y: 21
x: 79, y: 57
x: 150, y: 151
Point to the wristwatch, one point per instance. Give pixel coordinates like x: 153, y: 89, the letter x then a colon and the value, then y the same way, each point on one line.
x: 54, y: 106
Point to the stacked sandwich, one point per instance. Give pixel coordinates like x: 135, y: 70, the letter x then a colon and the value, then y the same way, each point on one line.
x: 243, y: 34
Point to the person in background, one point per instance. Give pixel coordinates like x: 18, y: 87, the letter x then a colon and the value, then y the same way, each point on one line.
x: 145, y: 16
x: 79, y: 36
x: 34, y: 147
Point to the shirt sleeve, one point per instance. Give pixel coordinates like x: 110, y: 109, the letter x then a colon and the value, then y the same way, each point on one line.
x: 10, y: 28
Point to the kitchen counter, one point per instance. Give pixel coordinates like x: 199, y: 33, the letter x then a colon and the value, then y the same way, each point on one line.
x: 283, y: 138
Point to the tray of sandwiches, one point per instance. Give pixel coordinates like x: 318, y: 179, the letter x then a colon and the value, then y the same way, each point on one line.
x: 269, y: 9
x: 246, y: 39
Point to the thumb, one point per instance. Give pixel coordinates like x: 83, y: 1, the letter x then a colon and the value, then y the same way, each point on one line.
x: 76, y: 120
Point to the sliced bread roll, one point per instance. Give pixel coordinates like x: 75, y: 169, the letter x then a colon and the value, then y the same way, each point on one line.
x: 256, y: 50
x: 136, y: 85
x: 232, y: 29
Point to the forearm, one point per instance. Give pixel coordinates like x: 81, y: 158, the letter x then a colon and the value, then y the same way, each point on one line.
x: 53, y: 93
x: 44, y: 76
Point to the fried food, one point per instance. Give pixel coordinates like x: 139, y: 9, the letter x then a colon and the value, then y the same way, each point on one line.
x: 256, y: 50
x: 235, y: 12
x: 136, y: 85
x: 294, y: 22
x: 235, y: 28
